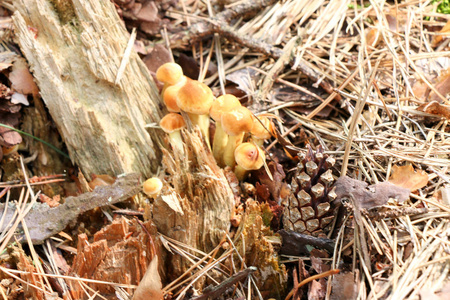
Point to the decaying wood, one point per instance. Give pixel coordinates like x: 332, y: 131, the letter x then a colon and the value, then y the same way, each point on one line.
x: 119, y: 253
x: 43, y: 222
x: 77, y: 52
x: 196, y: 209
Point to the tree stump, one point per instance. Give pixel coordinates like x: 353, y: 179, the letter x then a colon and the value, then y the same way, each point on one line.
x: 196, y: 204
x: 98, y: 91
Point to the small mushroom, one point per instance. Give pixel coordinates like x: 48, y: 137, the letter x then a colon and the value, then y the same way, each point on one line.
x: 152, y: 187
x: 196, y: 98
x: 169, y: 73
x: 222, y: 104
x: 248, y: 157
x: 235, y: 123
x: 262, y: 128
x: 172, y: 124
x: 169, y: 95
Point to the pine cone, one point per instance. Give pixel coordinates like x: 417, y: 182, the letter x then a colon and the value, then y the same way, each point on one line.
x: 308, y: 209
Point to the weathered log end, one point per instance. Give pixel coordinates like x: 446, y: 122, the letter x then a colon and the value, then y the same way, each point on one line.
x: 99, y: 95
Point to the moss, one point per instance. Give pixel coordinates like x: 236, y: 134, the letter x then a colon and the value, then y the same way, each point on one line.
x: 259, y: 250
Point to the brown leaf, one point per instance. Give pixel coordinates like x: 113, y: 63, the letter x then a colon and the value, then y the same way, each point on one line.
x: 150, y: 287
x: 442, y: 85
x: 21, y: 78
x: 435, y: 108
x: 444, y: 32
x: 345, y: 286
x: 159, y: 56
x: 51, y: 202
x: 8, y: 137
x: 275, y: 185
x: 369, y: 196
x: 317, y: 289
x: 406, y: 177
x: 148, y: 12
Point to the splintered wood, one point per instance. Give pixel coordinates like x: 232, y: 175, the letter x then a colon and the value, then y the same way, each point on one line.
x: 99, y: 95
x: 120, y: 253
x: 196, y: 209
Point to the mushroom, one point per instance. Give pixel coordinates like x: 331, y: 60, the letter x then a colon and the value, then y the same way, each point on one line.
x: 169, y: 73
x: 262, y: 128
x: 172, y: 123
x: 152, y: 187
x: 196, y: 98
x: 222, y: 104
x: 235, y: 123
x: 169, y: 95
x: 248, y: 157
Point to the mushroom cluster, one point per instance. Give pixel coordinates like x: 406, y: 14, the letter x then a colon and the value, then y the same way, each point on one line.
x: 239, y: 135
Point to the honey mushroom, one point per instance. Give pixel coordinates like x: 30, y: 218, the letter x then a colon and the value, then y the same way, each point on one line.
x: 196, y: 98
x: 169, y: 95
x: 169, y: 73
x: 152, y: 187
x: 235, y: 124
x: 172, y: 124
x: 248, y: 157
x: 222, y: 104
x: 261, y: 132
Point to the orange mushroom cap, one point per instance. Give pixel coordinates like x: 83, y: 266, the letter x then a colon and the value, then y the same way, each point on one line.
x: 172, y: 122
x: 237, y: 120
x: 169, y: 73
x: 223, y: 104
x: 249, y: 156
x: 152, y: 187
x: 195, y: 97
x: 259, y: 131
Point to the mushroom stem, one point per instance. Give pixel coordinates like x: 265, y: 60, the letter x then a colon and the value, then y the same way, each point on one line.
x: 241, y: 173
x: 228, y: 154
x: 203, y: 122
x: 176, y: 141
x: 219, y: 144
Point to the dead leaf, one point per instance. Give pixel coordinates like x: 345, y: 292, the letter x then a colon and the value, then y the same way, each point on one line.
x: 345, y: 286
x: 245, y: 80
x: 51, y: 202
x: 159, y: 56
x: 9, y: 137
x: 21, y: 78
x: 369, y: 196
x: 317, y: 289
x: 150, y: 287
x: 435, y: 108
x: 444, y: 32
x: 274, y: 186
x: 406, y: 177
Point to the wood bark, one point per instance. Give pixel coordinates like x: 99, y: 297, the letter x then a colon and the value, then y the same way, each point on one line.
x: 75, y: 50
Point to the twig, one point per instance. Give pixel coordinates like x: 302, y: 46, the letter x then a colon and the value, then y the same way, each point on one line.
x: 215, y: 292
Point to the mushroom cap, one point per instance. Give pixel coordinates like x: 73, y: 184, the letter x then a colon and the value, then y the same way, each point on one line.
x: 249, y: 156
x: 237, y: 120
x: 258, y: 130
x: 172, y: 122
x: 169, y: 73
x: 195, y: 98
x: 223, y: 104
x: 170, y: 95
x: 152, y: 187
